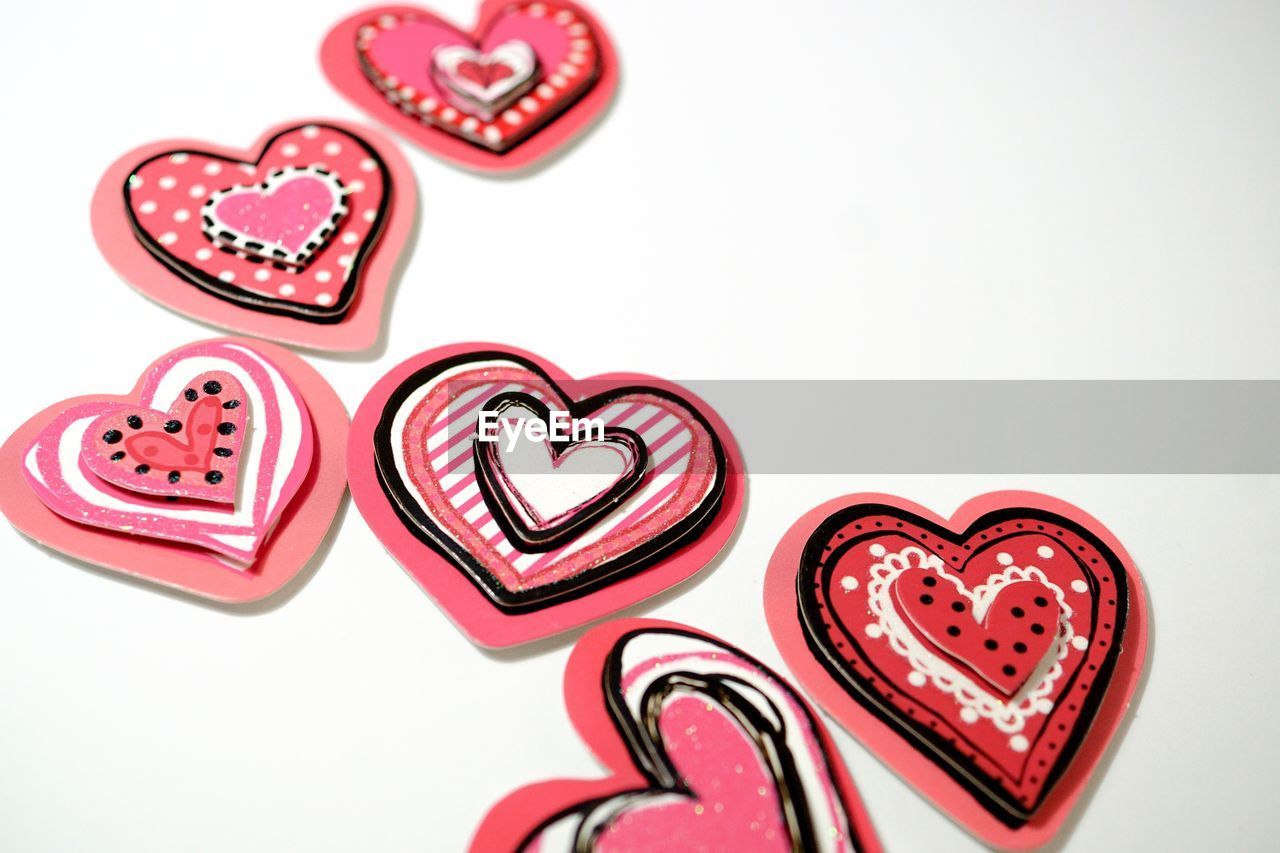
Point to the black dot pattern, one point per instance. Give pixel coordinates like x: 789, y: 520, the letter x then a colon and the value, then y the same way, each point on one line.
x: 112, y: 436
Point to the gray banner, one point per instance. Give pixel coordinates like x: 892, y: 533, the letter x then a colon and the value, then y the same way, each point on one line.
x: 1001, y: 427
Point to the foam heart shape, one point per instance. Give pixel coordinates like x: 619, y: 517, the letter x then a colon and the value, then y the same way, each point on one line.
x: 484, y: 72
x: 277, y: 457
x: 485, y: 84
x: 285, y: 219
x: 416, y: 479
x: 302, y: 515
x: 544, y: 492
x: 192, y: 450
x: 526, y: 79
x: 988, y: 658
x: 1002, y: 633
x: 711, y: 751
x: 172, y: 197
x: 296, y: 239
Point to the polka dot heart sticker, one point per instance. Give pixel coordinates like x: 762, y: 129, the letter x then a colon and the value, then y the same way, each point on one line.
x: 296, y: 239
x: 989, y: 659
x: 218, y: 475
x: 708, y: 748
x: 525, y: 81
x: 527, y: 535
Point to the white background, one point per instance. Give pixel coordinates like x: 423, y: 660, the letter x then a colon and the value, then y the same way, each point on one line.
x: 794, y: 190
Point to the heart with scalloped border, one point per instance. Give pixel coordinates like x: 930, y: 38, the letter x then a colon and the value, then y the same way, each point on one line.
x: 988, y: 658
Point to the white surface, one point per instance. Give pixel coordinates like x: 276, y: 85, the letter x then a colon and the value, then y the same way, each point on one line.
x: 892, y: 190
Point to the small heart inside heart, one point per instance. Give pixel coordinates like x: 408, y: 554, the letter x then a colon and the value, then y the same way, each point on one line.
x: 551, y: 483
x: 286, y: 219
x: 485, y: 72
x: 733, y: 802
x: 190, y: 451
x: 1003, y: 638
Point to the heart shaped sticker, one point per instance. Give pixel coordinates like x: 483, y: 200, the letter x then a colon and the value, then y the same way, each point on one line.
x: 710, y: 750
x: 524, y: 81
x: 296, y: 239
x: 193, y: 450
x: 513, y: 545
x: 218, y: 475
x: 988, y: 659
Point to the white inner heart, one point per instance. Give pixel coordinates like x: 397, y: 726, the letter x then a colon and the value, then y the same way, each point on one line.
x: 514, y: 54
x: 551, y: 488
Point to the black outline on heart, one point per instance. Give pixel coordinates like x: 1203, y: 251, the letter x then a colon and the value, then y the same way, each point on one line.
x: 525, y: 131
x: 215, y: 286
x: 644, y: 742
x: 624, y: 565
x: 551, y: 538
x: 812, y: 617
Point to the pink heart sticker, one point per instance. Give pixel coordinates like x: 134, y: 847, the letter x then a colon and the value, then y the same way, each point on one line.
x: 480, y: 540
x: 709, y: 748
x: 278, y: 451
x: 296, y: 239
x: 507, y: 93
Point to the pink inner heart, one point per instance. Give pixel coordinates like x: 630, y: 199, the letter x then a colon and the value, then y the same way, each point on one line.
x: 734, y: 805
x: 287, y: 216
x: 484, y: 73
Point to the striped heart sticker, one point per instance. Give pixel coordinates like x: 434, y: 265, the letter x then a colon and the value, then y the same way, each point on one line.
x: 217, y: 475
x: 417, y: 478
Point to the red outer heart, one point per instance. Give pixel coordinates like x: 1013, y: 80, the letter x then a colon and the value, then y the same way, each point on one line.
x: 341, y: 63
x: 509, y: 822
x: 913, y: 724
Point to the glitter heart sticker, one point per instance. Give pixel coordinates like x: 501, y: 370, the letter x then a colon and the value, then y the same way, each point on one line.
x: 988, y: 658
x: 523, y: 540
x: 528, y: 78
x: 709, y: 750
x: 219, y: 474
x: 296, y: 239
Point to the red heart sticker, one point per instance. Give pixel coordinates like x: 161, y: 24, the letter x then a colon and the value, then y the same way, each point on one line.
x: 988, y: 658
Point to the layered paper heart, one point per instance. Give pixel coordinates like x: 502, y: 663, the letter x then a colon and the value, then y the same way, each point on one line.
x: 709, y: 749
x: 538, y: 534
x: 188, y: 479
x: 988, y: 659
x: 526, y: 79
x: 296, y: 239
